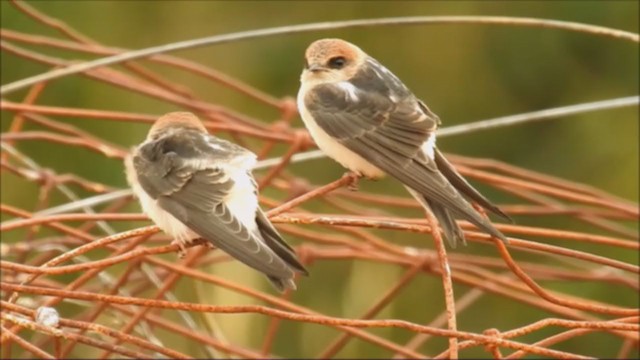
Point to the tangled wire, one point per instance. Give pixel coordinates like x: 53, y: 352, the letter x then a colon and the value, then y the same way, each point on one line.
x: 82, y: 278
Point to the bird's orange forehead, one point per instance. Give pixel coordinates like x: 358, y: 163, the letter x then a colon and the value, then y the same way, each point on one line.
x: 327, y: 48
x: 178, y: 119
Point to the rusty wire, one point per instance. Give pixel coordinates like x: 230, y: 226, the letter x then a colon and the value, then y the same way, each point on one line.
x: 146, y: 286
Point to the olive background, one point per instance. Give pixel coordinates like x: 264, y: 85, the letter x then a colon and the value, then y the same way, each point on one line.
x: 465, y: 73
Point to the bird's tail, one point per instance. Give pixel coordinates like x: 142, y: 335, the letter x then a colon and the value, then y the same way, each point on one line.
x: 464, y: 187
x: 451, y: 229
x: 280, y: 248
x: 282, y: 283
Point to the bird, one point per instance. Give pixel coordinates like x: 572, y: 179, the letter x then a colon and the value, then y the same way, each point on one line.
x: 194, y: 185
x: 363, y: 116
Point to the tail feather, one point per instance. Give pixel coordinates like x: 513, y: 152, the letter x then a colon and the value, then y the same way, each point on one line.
x: 281, y: 249
x: 464, y: 187
x: 281, y: 284
x: 451, y: 229
x: 275, y: 242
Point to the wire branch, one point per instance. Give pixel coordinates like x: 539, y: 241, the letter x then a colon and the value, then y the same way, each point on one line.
x: 261, y: 33
x: 90, y: 250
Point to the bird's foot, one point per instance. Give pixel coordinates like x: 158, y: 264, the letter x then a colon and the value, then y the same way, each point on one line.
x: 182, y: 251
x: 355, y: 179
x: 209, y: 245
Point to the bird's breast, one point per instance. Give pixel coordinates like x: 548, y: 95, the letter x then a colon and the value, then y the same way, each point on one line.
x: 165, y: 221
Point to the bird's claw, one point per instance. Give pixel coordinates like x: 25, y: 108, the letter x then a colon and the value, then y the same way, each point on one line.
x: 355, y: 178
x: 182, y: 251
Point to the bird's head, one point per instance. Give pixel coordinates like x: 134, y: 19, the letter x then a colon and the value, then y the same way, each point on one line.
x: 173, y: 121
x: 331, y: 60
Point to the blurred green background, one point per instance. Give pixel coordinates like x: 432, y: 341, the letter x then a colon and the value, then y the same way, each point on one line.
x: 464, y: 73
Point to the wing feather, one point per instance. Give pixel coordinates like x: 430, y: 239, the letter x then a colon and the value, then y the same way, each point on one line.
x: 277, y: 243
x: 390, y: 135
x: 463, y: 186
x: 193, y: 189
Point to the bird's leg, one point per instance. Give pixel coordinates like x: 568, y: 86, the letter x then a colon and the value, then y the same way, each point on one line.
x: 182, y: 250
x: 355, y: 178
x: 209, y: 245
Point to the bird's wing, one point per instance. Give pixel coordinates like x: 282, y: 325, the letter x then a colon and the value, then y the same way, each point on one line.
x: 192, y: 187
x: 273, y: 239
x: 464, y: 187
x: 400, y: 127
x: 390, y: 135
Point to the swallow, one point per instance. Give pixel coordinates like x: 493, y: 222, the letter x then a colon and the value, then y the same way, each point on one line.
x: 361, y: 115
x: 195, y: 185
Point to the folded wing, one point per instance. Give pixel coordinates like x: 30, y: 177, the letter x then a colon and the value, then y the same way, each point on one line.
x: 391, y: 136
x: 193, y: 191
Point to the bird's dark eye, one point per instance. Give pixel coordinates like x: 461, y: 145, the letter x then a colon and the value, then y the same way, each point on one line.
x: 337, y: 62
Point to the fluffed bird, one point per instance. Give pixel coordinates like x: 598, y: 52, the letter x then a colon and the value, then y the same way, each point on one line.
x: 361, y: 115
x: 195, y: 185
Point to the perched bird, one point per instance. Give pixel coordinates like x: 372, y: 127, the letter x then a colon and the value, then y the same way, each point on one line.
x: 361, y: 115
x: 194, y: 185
